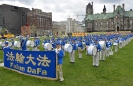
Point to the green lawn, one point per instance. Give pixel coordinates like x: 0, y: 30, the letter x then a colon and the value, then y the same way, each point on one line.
x: 116, y: 70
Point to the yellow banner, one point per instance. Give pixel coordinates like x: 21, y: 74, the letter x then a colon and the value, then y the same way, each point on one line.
x: 9, y: 35
x: 78, y: 34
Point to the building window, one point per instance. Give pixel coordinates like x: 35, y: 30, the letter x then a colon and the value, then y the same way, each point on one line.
x: 130, y: 21
x: 107, y: 23
x: 16, y: 8
x: 112, y: 23
x: 96, y: 23
x: 101, y: 23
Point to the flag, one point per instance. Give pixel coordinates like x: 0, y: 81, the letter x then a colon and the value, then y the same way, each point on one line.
x: 27, y: 24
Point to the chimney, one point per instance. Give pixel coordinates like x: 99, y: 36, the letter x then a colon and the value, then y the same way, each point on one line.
x: 123, y: 6
x: 114, y: 7
x: 92, y: 3
x: 92, y: 7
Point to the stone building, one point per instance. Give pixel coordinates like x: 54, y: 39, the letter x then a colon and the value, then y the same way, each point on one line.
x: 42, y: 21
x: 59, y: 27
x: 67, y: 27
x: 70, y: 25
x: 80, y: 26
x: 13, y: 17
x: 73, y: 26
x: 118, y: 20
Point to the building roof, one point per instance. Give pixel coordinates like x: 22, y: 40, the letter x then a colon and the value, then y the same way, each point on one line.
x: 119, y: 10
x: 99, y: 16
x: 13, y: 5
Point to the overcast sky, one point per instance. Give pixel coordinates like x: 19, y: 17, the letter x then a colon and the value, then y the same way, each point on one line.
x: 62, y: 9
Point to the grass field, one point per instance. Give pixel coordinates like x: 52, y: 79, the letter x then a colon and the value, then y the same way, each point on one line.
x: 116, y: 70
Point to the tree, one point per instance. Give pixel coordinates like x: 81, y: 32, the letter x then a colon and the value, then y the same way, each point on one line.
x: 33, y: 29
x: 3, y: 31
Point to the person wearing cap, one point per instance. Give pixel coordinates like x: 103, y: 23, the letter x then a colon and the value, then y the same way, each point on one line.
x: 80, y: 47
x: 62, y: 46
x: 116, y: 44
x: 44, y: 41
x: 53, y: 44
x: 39, y: 42
x: 60, y: 55
x: 12, y: 46
x: 23, y: 44
x: 96, y: 57
x: 108, y: 47
x: 103, y: 51
x: 120, y: 42
x: 36, y: 44
x: 6, y: 46
x: 72, y: 54
x: 87, y: 45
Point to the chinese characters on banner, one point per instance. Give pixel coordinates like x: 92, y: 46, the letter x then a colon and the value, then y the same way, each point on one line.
x: 40, y: 64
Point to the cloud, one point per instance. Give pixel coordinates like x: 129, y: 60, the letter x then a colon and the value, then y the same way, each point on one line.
x: 27, y: 2
x: 62, y: 9
x: 109, y: 1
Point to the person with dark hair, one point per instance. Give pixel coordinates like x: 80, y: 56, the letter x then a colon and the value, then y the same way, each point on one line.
x: 62, y: 45
x: 23, y: 44
x: 36, y: 44
x: 96, y: 57
x: 72, y: 54
x: 80, y: 47
x: 53, y: 44
x: 12, y: 46
x: 60, y: 55
x: 116, y: 44
x: 6, y: 46
x: 87, y: 45
x: 108, y: 47
x: 103, y: 51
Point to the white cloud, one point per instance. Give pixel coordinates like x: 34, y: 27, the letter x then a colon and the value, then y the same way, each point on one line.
x: 62, y: 9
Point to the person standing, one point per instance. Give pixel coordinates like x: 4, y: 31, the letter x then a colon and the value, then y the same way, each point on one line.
x: 36, y: 44
x: 62, y: 45
x: 80, y: 47
x: 103, y: 51
x: 116, y: 44
x: 87, y: 45
x: 23, y: 44
x: 60, y: 55
x: 53, y: 44
x: 108, y: 45
x: 6, y: 46
x: 120, y: 42
x: 72, y: 54
x: 12, y: 46
x: 44, y: 42
x: 96, y: 57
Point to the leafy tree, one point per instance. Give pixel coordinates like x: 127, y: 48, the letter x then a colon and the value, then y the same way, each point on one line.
x: 33, y: 29
x: 3, y: 31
